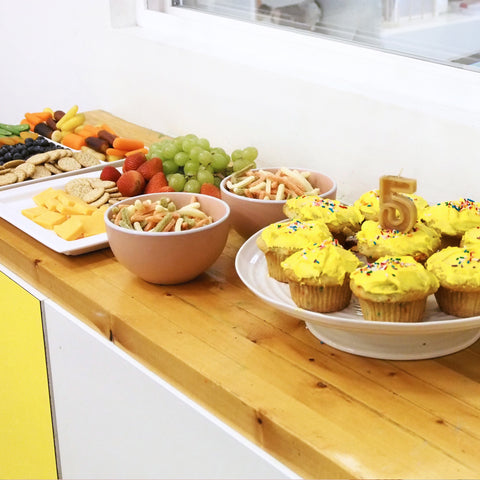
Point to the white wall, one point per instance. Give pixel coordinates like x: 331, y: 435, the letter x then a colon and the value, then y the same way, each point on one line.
x: 300, y: 103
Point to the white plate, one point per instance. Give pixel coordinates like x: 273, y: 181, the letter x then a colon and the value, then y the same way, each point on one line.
x: 12, y: 202
x: 439, y: 334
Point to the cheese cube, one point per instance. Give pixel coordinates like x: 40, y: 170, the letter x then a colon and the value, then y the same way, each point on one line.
x: 70, y: 229
x: 49, y: 219
x: 33, y: 212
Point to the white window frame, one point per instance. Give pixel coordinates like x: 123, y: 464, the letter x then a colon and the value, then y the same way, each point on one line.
x: 444, y: 91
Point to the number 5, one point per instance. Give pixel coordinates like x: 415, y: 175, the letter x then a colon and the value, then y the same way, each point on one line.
x: 397, y: 212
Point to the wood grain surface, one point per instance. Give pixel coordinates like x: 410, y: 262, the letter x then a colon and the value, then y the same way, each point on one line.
x: 323, y: 412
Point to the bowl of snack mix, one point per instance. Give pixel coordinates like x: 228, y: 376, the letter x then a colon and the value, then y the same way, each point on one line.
x: 256, y: 197
x: 168, y: 238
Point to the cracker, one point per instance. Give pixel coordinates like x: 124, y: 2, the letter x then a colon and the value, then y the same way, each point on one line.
x: 54, y: 155
x: 28, y: 168
x: 114, y: 194
x: 98, y: 182
x: 94, y: 194
x: 13, y: 163
x: 8, y: 179
x: 21, y: 174
x: 40, y: 172
x: 68, y: 164
x: 38, y: 158
x: 101, y: 201
x: 78, y: 187
x: 85, y: 159
x: 53, y: 168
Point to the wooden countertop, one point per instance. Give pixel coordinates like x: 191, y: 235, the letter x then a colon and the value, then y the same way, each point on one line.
x: 323, y: 412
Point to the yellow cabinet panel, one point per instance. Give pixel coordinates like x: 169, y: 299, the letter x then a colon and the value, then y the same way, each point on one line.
x: 26, y: 434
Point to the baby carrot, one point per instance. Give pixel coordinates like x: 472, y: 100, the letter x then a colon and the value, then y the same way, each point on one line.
x: 127, y: 144
x: 44, y: 115
x: 142, y: 150
x: 87, y: 130
x: 74, y: 141
x: 33, y: 118
x: 115, y: 152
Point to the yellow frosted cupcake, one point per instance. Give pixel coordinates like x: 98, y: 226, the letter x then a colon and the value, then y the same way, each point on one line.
x: 369, y: 204
x: 279, y: 240
x: 318, y: 276
x: 374, y: 242
x: 458, y: 271
x: 471, y: 238
x: 393, y: 289
x: 452, y: 219
x: 341, y: 219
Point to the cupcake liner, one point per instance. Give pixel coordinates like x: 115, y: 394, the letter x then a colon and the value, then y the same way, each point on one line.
x: 458, y: 303
x: 318, y: 298
x: 275, y: 270
x: 411, y: 312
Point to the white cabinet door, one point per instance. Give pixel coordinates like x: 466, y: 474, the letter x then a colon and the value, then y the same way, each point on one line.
x: 115, y: 419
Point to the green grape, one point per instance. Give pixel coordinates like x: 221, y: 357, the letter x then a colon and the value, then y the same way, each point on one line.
x: 188, y: 144
x: 205, y: 158
x: 170, y: 149
x: 178, y: 141
x: 237, y: 155
x: 154, y: 151
x: 204, y: 176
x: 191, y: 167
x: 176, y: 181
x: 219, y: 150
x: 195, y: 152
x: 250, y: 154
x: 204, y: 143
x: 192, y: 185
x: 169, y: 166
x: 180, y: 158
x: 206, y: 167
x: 239, y: 164
x: 219, y: 162
x: 191, y: 136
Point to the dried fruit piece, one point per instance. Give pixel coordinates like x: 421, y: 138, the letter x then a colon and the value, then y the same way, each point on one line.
x: 97, y: 144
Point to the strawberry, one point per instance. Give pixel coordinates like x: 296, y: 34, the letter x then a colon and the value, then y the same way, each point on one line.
x: 166, y: 188
x: 157, y: 182
x: 110, y: 173
x: 210, y: 189
x: 149, y: 168
x: 133, y: 161
x: 131, y: 183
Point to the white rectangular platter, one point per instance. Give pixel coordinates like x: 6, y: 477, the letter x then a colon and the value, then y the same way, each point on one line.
x: 12, y: 202
x: 116, y: 163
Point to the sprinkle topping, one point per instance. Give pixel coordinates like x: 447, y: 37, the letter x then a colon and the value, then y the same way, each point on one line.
x: 393, y: 263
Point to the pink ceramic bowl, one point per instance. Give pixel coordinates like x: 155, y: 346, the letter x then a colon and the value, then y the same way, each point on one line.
x: 169, y: 258
x: 249, y: 215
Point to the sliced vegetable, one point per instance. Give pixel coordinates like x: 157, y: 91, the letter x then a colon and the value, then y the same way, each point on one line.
x: 127, y: 144
x: 73, y: 140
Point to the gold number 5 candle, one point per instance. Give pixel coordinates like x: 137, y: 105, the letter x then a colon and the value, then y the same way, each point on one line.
x: 397, y: 212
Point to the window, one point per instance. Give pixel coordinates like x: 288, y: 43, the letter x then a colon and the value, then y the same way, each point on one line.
x: 443, y: 31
